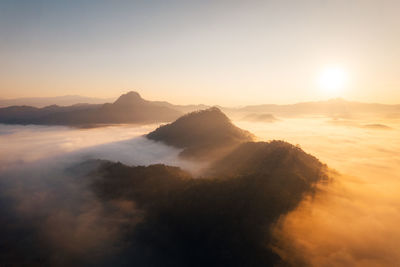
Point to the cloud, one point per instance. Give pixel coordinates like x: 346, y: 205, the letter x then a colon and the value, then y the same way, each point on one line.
x: 351, y: 221
x: 55, y: 212
x: 348, y: 223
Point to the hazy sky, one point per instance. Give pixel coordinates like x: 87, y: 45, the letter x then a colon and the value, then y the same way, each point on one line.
x: 214, y: 52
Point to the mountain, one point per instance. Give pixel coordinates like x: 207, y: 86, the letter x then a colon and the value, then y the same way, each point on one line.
x: 224, y: 218
x: 131, y: 108
x: 334, y: 108
x: 201, y: 134
x: 40, y: 102
x: 128, y: 108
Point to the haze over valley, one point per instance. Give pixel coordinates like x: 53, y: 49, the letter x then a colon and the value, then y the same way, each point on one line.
x: 200, y: 133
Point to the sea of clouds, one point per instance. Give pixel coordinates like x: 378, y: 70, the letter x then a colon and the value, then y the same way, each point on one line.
x: 351, y: 221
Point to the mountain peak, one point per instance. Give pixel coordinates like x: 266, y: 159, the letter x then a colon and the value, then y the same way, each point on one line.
x: 205, y: 117
x: 129, y: 98
x: 200, y: 132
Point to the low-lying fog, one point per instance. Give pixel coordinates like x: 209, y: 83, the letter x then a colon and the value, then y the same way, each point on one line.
x: 30, y: 143
x: 26, y: 144
x: 352, y: 221
x: 47, y: 212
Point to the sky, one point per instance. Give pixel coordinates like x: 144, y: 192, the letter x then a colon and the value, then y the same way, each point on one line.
x: 213, y: 52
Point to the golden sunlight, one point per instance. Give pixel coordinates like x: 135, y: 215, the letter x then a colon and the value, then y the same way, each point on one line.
x: 333, y: 80
x: 140, y: 133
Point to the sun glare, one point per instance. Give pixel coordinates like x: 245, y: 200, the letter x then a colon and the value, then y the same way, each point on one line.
x: 332, y: 80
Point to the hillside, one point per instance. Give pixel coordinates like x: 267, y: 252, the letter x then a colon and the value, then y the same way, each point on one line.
x: 266, y: 158
x: 201, y: 134
x: 223, y: 219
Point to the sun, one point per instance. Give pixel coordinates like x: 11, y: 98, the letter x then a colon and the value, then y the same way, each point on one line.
x: 333, y: 80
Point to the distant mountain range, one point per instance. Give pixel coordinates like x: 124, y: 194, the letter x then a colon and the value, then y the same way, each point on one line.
x: 334, y: 108
x: 128, y: 108
x: 132, y: 108
x: 41, y: 102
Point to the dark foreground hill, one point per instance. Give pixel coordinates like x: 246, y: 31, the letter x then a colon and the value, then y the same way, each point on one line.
x: 275, y: 158
x: 128, y: 108
x: 225, y: 219
x: 202, y: 134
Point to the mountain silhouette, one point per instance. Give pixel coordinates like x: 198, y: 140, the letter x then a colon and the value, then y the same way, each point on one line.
x: 202, y: 134
x: 132, y: 108
x: 128, y: 108
x: 224, y: 218
x: 130, y: 99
